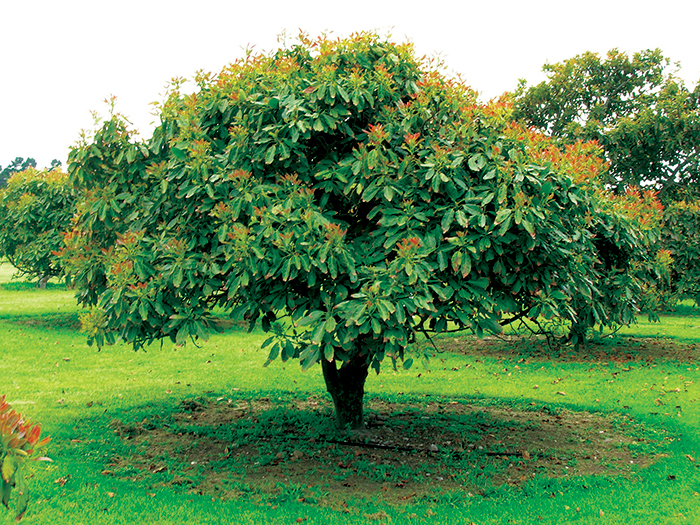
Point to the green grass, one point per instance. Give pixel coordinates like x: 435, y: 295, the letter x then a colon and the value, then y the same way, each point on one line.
x: 49, y: 373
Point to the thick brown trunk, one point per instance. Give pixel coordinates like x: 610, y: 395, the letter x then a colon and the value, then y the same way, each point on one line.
x: 346, y: 385
x: 577, y: 334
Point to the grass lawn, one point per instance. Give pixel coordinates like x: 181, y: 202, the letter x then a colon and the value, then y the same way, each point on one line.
x: 486, y: 432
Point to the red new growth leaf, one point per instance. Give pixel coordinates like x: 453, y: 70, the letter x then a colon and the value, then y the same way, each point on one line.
x: 34, y: 434
x: 18, y: 437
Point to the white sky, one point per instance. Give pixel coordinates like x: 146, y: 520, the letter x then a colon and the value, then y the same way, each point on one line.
x: 59, y: 59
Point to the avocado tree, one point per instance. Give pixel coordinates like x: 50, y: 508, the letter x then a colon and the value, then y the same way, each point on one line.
x: 645, y: 119
x: 681, y: 241
x: 349, y: 199
x: 35, y: 209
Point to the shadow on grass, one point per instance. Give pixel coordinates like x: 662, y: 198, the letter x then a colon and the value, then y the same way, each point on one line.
x: 51, y: 321
x: 276, y: 447
x: 24, y: 286
x: 614, y: 349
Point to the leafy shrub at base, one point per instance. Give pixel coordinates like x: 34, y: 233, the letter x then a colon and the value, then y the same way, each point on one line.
x: 19, y: 443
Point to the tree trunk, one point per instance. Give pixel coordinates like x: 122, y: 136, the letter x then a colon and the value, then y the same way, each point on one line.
x: 577, y: 334
x: 346, y: 385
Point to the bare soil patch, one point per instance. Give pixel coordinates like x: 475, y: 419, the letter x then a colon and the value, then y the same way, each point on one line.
x: 288, y: 450
x: 630, y: 349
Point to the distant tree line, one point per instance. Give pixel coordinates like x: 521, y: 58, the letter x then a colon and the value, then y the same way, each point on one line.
x: 19, y: 164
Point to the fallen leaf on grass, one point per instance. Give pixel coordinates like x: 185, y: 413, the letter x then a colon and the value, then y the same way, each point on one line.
x: 376, y: 516
x: 62, y: 480
x: 561, y: 393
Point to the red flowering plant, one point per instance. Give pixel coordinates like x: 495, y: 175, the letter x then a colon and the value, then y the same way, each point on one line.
x: 19, y: 443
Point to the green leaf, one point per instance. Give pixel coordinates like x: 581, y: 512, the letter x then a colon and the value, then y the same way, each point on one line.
x: 502, y: 193
x: 311, y: 318
x: 5, y: 491
x: 274, y: 352
x: 22, y: 502
x: 330, y: 325
x: 178, y: 153
x: 318, y: 334
x: 491, y: 325
x: 505, y: 225
x: 502, y: 215
x: 9, y: 466
x: 476, y: 162
x: 177, y: 278
x: 546, y: 189
x: 462, y: 219
x: 447, y: 220
x: 270, y: 154
x: 466, y: 265
x: 388, y: 193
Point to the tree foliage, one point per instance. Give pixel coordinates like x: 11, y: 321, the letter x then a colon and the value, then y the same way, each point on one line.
x: 350, y: 199
x: 645, y: 119
x: 35, y: 209
x: 681, y: 242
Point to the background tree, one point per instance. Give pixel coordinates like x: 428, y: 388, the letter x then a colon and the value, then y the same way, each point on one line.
x: 350, y: 199
x: 19, y: 164
x: 35, y: 208
x: 681, y: 243
x: 646, y: 120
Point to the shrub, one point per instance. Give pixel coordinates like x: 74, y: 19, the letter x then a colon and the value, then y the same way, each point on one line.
x: 19, y: 443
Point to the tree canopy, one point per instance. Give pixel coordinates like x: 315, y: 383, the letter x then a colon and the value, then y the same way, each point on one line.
x: 35, y: 209
x: 646, y: 120
x: 350, y: 199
